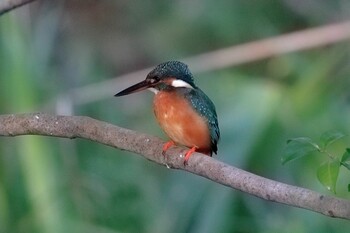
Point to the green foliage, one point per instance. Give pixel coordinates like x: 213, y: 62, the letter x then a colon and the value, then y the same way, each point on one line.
x: 327, y: 172
x: 299, y: 147
x: 345, y: 159
x: 330, y: 137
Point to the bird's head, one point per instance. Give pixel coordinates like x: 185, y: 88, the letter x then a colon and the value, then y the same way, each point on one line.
x: 165, y: 76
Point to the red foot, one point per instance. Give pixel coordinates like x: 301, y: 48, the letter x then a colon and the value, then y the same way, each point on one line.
x: 167, y: 146
x: 188, y: 154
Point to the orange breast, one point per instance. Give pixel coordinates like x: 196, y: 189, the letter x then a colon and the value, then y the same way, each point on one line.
x: 181, y: 122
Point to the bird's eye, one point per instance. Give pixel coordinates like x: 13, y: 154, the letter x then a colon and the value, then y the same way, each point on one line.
x: 154, y: 79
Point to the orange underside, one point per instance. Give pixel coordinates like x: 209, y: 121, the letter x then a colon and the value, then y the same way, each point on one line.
x: 180, y: 122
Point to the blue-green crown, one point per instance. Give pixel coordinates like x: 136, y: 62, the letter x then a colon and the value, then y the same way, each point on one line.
x: 174, y: 69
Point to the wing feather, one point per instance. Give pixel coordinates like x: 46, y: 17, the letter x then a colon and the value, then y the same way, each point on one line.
x: 205, y: 107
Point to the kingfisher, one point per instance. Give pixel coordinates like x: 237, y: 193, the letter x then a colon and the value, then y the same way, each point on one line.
x: 183, y: 110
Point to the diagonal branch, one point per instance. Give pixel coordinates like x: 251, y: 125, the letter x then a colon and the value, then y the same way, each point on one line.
x: 150, y: 147
x: 227, y: 57
x: 8, y: 5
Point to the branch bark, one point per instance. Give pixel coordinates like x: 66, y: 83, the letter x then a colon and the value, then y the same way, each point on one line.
x: 151, y: 147
x: 6, y: 6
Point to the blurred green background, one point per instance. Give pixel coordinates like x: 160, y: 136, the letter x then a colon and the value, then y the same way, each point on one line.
x: 52, y: 50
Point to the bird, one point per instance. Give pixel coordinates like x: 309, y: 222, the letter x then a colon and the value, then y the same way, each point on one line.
x: 182, y: 109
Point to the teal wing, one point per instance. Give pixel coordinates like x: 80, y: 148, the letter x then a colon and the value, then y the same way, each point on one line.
x: 205, y: 107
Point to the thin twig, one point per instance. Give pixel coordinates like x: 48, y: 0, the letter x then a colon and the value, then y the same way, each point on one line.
x: 150, y: 147
x: 275, y: 46
x: 8, y: 5
x: 226, y: 57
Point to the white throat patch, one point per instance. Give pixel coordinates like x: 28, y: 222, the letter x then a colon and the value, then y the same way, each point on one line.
x: 180, y: 83
x: 155, y: 91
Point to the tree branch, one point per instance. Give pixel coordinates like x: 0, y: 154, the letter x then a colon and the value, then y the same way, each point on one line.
x: 151, y: 147
x: 226, y: 57
x: 6, y: 6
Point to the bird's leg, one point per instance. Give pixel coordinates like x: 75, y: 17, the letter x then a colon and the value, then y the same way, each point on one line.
x: 188, y: 154
x: 167, y: 146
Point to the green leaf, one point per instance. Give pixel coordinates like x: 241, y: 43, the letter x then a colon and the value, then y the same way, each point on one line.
x: 297, y: 148
x: 347, y: 165
x: 327, y: 174
x: 348, y: 187
x: 345, y: 159
x: 346, y: 155
x: 330, y: 137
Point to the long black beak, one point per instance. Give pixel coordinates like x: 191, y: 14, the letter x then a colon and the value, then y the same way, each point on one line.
x: 135, y: 88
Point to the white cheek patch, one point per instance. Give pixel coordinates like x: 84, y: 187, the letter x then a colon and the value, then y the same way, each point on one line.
x: 180, y: 83
x: 155, y: 91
